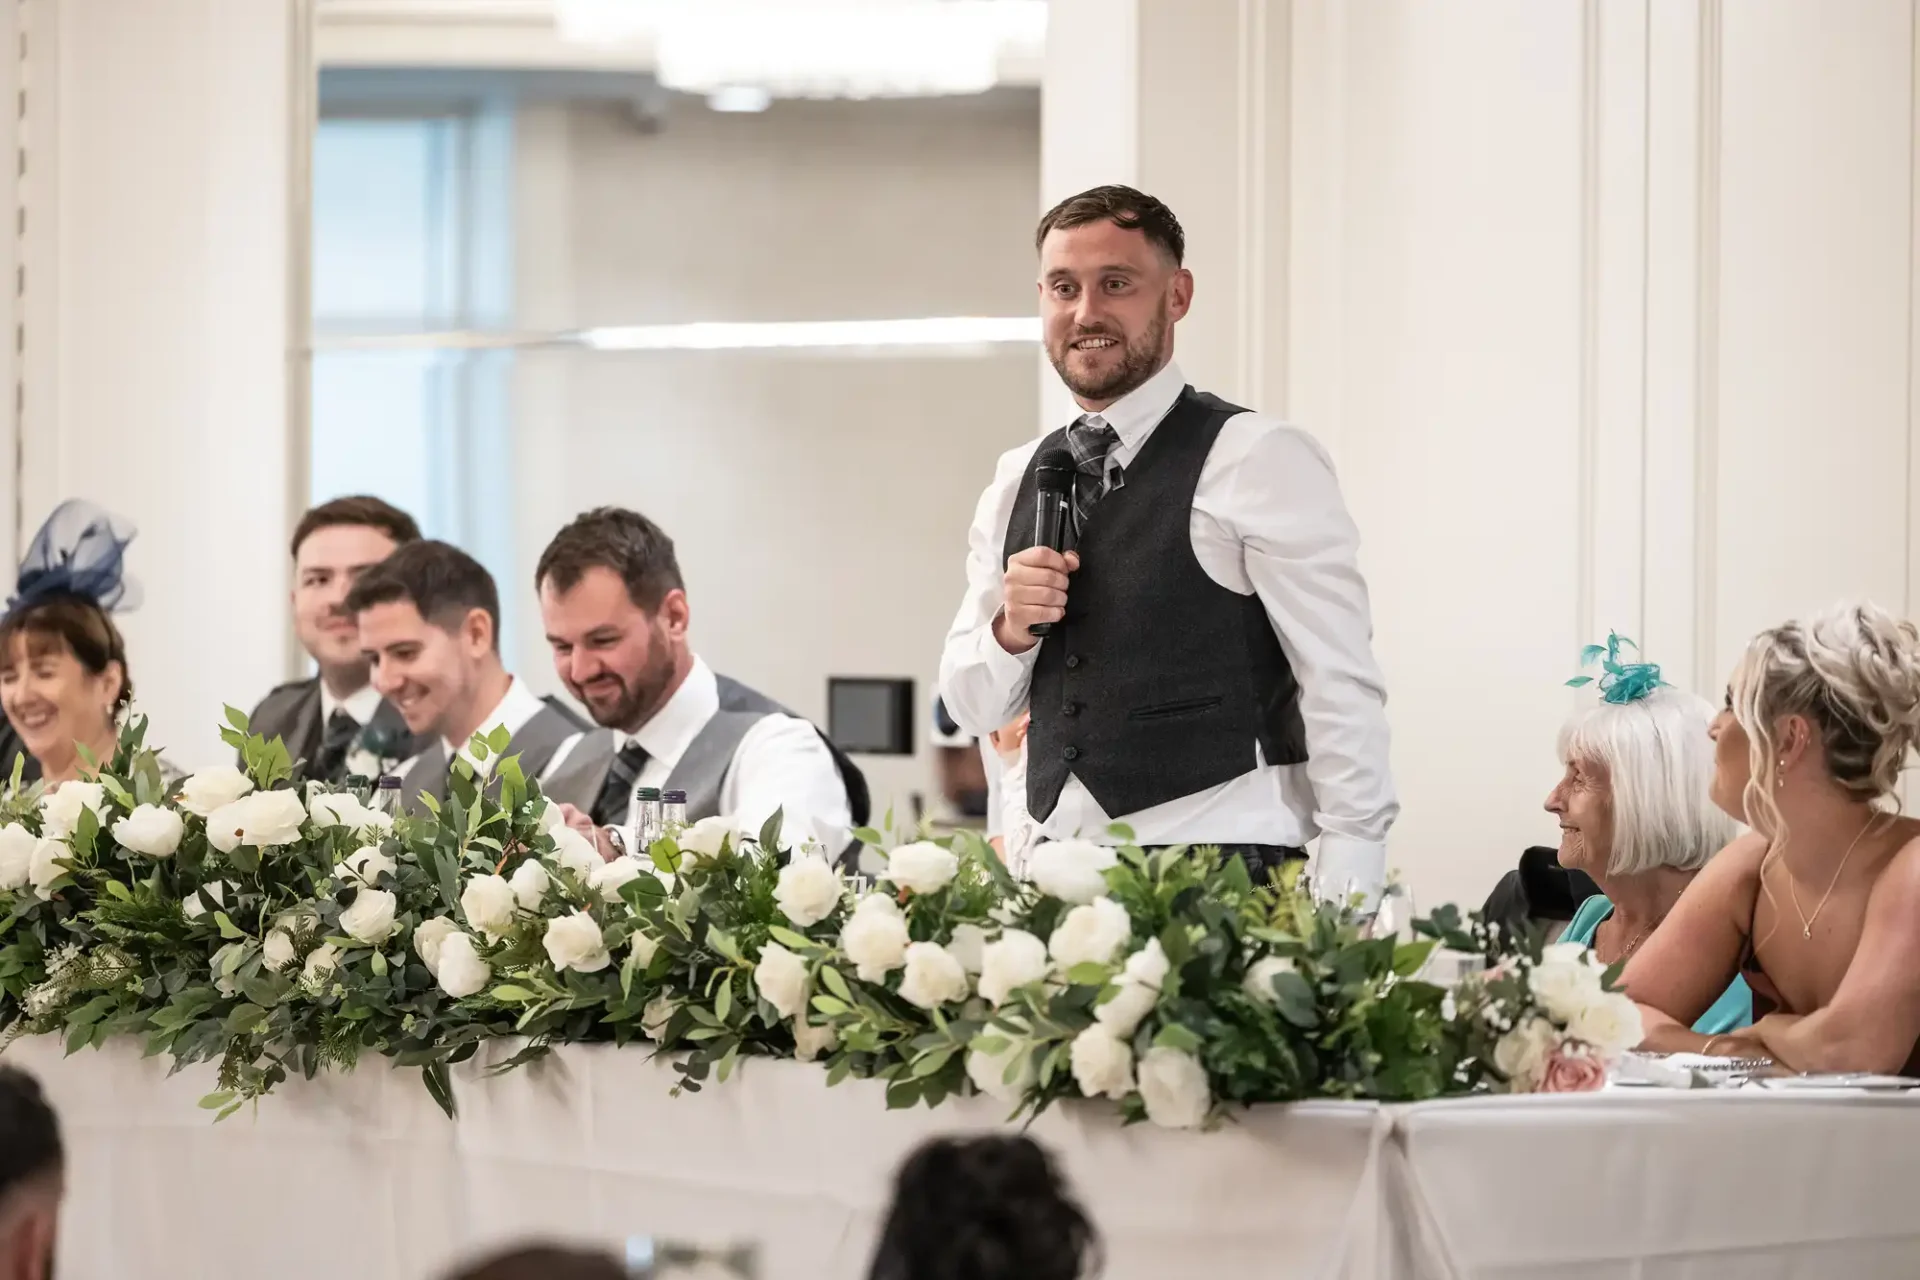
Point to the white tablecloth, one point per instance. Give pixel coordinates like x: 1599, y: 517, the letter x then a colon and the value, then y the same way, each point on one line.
x: 362, y: 1176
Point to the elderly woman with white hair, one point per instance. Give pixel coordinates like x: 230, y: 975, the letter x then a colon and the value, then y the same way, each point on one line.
x: 1636, y: 814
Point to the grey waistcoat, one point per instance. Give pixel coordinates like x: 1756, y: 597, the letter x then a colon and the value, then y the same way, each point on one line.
x: 535, y: 744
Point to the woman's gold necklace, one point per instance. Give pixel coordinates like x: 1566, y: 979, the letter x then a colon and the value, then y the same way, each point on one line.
x: 1806, y: 921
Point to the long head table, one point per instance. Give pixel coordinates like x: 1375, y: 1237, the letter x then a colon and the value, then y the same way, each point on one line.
x: 361, y: 1175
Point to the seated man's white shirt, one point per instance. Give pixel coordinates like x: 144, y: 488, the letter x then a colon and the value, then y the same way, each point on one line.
x: 361, y: 704
x: 519, y: 705
x: 1268, y: 519
x: 782, y: 763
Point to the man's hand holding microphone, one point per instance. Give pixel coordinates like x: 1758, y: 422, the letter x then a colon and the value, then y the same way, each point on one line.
x: 1035, y: 592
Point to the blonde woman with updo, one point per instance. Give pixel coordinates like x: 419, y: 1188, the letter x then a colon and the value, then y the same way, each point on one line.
x: 1818, y: 906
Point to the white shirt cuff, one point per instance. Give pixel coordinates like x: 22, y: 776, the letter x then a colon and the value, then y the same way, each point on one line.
x: 1344, y: 866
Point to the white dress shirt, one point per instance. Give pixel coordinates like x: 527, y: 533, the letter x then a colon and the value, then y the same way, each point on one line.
x: 519, y: 705
x: 1268, y: 519
x: 361, y: 704
x: 782, y: 763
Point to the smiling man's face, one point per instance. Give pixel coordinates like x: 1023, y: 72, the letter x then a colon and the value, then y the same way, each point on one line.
x: 1109, y: 298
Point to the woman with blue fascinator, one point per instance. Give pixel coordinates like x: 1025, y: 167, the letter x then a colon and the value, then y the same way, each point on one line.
x: 1636, y: 811
x: 64, y: 682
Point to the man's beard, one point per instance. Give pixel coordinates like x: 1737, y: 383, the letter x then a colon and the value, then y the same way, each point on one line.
x: 640, y: 699
x: 1139, y: 361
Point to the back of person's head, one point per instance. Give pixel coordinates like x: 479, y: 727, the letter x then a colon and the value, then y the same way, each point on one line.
x: 544, y: 1262
x: 985, y: 1208
x: 359, y: 510
x: 1852, y: 674
x: 441, y: 581
x: 31, y: 1177
x: 625, y: 542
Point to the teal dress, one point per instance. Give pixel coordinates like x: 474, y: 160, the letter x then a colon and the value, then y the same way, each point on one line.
x: 1732, y: 1011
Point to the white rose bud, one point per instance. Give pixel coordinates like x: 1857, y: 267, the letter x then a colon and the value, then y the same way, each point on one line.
x: 192, y: 905
x: 645, y: 947
x: 429, y: 937
x: 968, y: 943
x: 1102, y: 1064
x: 922, y: 867
x: 658, y: 1013
x: 213, y: 788
x: 1070, y: 870
x: 1174, y: 1086
x: 364, y: 867
x: 151, y: 831
x: 1520, y: 1054
x: 575, y: 942
x: 1260, y: 976
x: 1610, y: 1024
x: 1093, y: 932
x: 551, y: 817
x: 574, y: 852
x: 988, y: 1071
x: 1138, y: 990
x: 609, y: 876
x: 60, y: 808
x: 875, y: 937
x: 321, y: 962
x: 781, y: 977
x: 703, y: 839
x: 342, y: 809
x: 277, y: 950
x: 530, y: 881
x: 933, y: 977
x: 371, y: 917
x: 488, y: 902
x: 46, y: 866
x: 1014, y: 960
x: 809, y: 1041
x: 808, y: 890
x: 462, y: 972
x: 16, y: 856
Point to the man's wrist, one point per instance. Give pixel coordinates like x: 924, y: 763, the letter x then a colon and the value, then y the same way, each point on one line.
x: 1004, y: 635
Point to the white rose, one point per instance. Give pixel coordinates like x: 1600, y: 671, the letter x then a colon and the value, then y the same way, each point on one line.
x: 1015, y: 959
x: 923, y: 867
x: 1259, y: 980
x: 222, y: 980
x: 429, y: 937
x: 488, y: 902
x: 1095, y: 932
x: 934, y: 976
x: 1070, y: 870
x: 658, y: 1013
x: 150, y: 830
x: 530, y: 881
x: 371, y: 917
x: 45, y: 866
x: 321, y: 962
x: 645, y: 947
x: 192, y: 906
x: 1138, y: 990
x: 277, y: 950
x: 809, y: 1041
x: 362, y: 763
x: 213, y: 788
x: 1520, y: 1054
x: 551, y: 817
x: 16, y: 855
x: 462, y: 972
x: 343, y: 809
x: 967, y: 944
x: 1174, y: 1086
x: 781, y: 977
x: 574, y: 852
x: 60, y: 808
x: 704, y: 838
x: 988, y: 1071
x: 574, y: 942
x: 875, y: 937
x: 263, y: 819
x: 808, y: 890
x: 1564, y: 985
x: 1611, y: 1025
x: 364, y: 867
x: 609, y: 876
x: 1102, y: 1064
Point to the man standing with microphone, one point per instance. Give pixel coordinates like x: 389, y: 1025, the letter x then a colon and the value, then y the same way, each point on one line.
x: 1197, y: 652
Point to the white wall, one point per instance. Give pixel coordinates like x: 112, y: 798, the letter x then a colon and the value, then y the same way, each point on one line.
x: 1604, y: 308
x: 819, y: 502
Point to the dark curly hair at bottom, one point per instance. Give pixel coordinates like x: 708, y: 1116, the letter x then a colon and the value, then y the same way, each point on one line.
x: 987, y: 1208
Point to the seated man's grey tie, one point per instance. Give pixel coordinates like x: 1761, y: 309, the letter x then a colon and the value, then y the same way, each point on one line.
x: 616, y: 793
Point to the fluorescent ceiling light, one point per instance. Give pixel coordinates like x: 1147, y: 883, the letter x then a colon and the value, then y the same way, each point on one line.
x: 942, y: 331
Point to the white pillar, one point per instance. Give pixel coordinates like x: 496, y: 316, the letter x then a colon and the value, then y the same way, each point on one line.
x: 164, y: 306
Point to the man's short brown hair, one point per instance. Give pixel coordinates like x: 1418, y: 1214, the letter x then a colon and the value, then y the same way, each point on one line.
x: 1125, y: 208
x: 613, y: 538
x: 439, y: 579
x: 357, y: 509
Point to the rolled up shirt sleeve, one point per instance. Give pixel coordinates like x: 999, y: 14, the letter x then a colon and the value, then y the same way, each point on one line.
x: 982, y: 684
x: 1301, y: 555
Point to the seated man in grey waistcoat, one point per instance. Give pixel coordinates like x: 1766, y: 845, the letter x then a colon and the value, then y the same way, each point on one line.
x: 616, y: 614
x: 429, y: 619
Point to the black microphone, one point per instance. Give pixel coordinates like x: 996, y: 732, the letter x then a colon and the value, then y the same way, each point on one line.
x: 1053, y: 475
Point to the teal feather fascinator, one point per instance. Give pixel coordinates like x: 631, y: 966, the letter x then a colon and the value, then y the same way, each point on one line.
x: 1620, y: 682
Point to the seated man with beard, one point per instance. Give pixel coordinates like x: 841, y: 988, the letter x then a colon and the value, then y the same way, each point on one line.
x: 616, y: 614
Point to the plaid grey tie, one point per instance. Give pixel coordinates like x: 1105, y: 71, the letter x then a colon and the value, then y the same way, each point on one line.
x: 1090, y: 440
